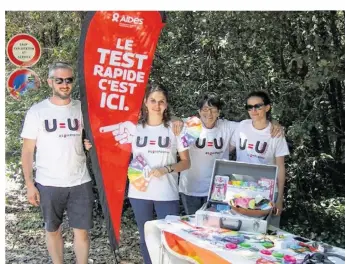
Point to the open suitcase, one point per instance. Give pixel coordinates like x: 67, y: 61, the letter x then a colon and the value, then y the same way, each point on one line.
x: 252, y: 179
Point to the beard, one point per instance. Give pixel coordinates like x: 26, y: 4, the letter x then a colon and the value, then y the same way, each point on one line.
x: 62, y: 95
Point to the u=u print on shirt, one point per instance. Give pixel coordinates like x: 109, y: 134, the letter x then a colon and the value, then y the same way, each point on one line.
x: 217, y: 143
x: 161, y: 142
x: 52, y: 124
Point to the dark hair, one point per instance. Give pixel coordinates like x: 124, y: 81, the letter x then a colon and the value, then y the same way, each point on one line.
x: 265, y: 98
x: 144, y: 111
x: 210, y: 99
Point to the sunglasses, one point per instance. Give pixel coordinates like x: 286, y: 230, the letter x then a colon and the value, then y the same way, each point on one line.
x: 68, y: 80
x: 256, y: 106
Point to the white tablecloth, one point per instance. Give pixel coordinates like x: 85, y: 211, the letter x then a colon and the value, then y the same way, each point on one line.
x: 161, y: 253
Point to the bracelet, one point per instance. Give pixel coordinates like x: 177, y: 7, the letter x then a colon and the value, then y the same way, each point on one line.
x: 167, y: 168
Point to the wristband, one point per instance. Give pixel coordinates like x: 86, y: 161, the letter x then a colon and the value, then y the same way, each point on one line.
x: 171, y: 169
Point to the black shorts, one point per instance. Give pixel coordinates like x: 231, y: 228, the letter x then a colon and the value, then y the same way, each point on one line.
x: 77, y: 201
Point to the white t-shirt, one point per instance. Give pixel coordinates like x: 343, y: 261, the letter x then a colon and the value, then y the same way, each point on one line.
x: 212, y: 144
x: 159, y: 146
x: 257, y: 146
x: 60, y: 158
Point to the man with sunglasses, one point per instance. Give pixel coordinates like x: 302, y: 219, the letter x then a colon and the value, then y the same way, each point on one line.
x: 62, y: 183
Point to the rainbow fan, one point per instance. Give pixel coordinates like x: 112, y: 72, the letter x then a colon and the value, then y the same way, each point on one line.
x: 138, y: 173
x: 192, y: 130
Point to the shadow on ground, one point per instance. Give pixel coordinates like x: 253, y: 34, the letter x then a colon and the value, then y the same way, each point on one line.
x: 25, y: 242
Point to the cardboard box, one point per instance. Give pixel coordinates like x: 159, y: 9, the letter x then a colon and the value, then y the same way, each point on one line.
x: 231, y: 178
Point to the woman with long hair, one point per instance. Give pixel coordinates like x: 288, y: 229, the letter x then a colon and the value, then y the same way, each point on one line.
x: 155, y: 142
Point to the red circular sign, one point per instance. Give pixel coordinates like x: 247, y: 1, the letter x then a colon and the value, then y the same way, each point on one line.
x: 21, y: 81
x: 23, y: 50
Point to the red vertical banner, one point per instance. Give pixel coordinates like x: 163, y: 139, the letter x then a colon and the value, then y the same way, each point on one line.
x: 115, y: 57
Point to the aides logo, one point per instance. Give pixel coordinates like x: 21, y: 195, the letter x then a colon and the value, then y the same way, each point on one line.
x: 126, y: 20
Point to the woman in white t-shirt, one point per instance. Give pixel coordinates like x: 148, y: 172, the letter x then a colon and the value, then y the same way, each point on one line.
x: 254, y: 143
x: 213, y: 143
x: 154, y: 140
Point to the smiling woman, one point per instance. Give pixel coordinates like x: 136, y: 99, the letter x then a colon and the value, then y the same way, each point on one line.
x: 259, y: 108
x: 155, y: 108
x: 213, y: 143
x: 153, y: 129
x: 254, y: 143
x: 155, y: 145
x: 209, y: 110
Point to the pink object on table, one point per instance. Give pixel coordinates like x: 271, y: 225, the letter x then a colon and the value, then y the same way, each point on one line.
x: 231, y: 246
x: 266, y: 252
x: 289, y: 259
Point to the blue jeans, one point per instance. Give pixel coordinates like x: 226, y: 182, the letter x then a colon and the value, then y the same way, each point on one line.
x: 192, y: 203
x: 143, y: 211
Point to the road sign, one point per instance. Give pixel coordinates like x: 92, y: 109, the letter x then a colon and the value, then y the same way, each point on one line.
x: 23, y: 50
x: 21, y: 81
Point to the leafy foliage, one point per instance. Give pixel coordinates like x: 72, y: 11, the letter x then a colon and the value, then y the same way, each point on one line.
x: 298, y: 57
